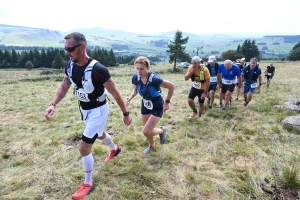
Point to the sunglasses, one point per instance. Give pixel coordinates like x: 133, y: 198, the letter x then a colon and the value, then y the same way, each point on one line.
x: 71, y: 49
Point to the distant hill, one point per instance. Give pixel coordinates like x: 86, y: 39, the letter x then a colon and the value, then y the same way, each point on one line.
x: 146, y: 44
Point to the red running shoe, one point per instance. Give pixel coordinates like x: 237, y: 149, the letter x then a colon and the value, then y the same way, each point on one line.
x: 83, y: 191
x: 113, y: 153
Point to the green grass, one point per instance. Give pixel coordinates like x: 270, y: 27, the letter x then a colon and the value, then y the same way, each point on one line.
x: 225, y: 156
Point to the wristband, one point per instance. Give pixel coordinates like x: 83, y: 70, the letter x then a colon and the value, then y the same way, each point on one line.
x: 52, y: 104
x: 167, y: 101
x: 126, y: 114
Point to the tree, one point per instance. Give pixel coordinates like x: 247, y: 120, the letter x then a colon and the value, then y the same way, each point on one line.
x: 43, y: 59
x: 58, y: 61
x: 296, y: 46
x: 231, y: 55
x: 7, y: 57
x: 14, y: 58
x: 36, y: 58
x: 29, y: 65
x: 113, y: 58
x: 23, y: 59
x: 249, y: 50
x: 177, y: 50
x: 295, y: 54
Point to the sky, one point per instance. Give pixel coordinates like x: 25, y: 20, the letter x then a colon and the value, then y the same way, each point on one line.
x: 258, y: 17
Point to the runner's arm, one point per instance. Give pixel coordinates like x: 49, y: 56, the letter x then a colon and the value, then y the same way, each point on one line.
x: 113, y: 90
x: 170, y: 86
x: 59, y: 95
x: 132, y: 95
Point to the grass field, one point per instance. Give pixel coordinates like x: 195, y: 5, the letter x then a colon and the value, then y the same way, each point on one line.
x: 239, y: 154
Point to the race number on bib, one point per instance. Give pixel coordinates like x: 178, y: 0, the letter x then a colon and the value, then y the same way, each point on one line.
x: 227, y: 82
x: 81, y: 95
x: 213, y: 79
x: 148, y: 104
x: 254, y: 85
x: 269, y: 74
x: 197, y: 85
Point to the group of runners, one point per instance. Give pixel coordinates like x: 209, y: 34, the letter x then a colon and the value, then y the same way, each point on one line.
x: 226, y: 77
x: 91, y: 82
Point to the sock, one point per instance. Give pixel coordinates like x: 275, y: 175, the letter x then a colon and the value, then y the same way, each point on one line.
x: 108, y: 141
x: 194, y: 110
x: 88, y: 164
x: 200, y: 114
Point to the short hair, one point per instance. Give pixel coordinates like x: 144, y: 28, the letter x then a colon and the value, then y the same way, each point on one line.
x: 254, y: 59
x: 79, y: 38
x: 142, y: 60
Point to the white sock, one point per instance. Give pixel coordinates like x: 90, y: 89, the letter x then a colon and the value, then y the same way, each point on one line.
x: 88, y: 164
x: 108, y: 141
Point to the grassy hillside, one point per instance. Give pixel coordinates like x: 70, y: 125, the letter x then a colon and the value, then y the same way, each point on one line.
x: 239, y: 154
x: 136, y: 43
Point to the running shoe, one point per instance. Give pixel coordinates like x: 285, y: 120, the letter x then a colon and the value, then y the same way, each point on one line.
x: 163, y: 136
x: 113, y: 153
x: 219, y: 106
x: 193, y: 114
x: 223, y: 110
x: 148, y: 149
x: 210, y: 107
x: 83, y: 191
x: 236, y: 99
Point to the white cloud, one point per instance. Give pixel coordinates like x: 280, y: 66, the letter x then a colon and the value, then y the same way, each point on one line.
x: 153, y: 16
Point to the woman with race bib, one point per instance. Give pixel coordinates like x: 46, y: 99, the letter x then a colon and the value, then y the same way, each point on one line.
x: 148, y: 84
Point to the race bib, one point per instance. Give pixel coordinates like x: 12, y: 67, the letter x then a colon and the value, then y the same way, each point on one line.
x: 213, y: 79
x: 254, y: 85
x: 197, y: 85
x: 227, y: 82
x: 81, y: 95
x: 269, y: 74
x: 148, y: 104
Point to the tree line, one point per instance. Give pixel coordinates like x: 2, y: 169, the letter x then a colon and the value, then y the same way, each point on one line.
x: 55, y: 58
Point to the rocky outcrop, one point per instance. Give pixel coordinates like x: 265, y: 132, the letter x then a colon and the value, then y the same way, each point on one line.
x: 291, y: 104
x: 291, y: 121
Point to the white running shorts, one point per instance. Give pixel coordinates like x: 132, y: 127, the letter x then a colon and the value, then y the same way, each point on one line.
x: 95, y: 120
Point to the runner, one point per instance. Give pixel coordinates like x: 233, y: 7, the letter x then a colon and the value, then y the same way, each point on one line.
x: 250, y: 75
x: 213, y: 67
x: 228, y: 75
x: 200, y: 77
x: 90, y: 80
x: 270, y: 71
x: 148, y: 84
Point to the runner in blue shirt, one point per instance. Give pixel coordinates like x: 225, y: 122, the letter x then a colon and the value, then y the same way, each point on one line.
x: 250, y: 75
x: 228, y: 75
x: 148, y: 84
